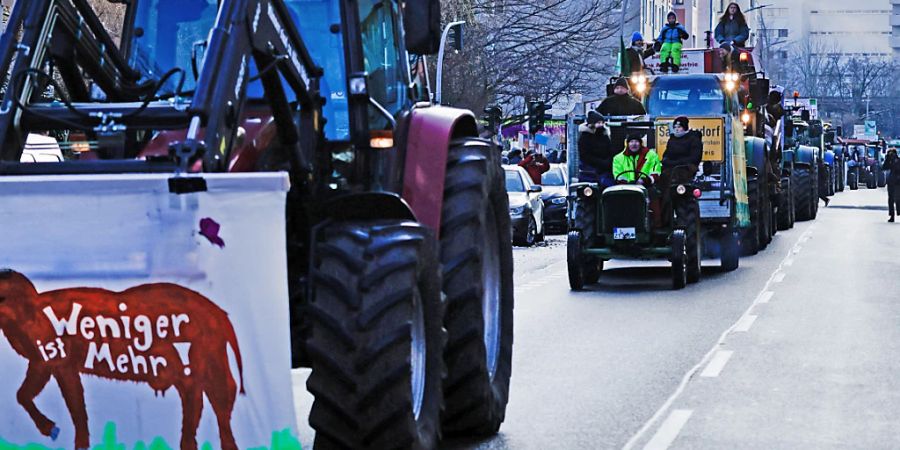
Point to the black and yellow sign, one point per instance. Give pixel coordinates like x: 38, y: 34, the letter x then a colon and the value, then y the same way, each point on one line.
x: 712, y: 129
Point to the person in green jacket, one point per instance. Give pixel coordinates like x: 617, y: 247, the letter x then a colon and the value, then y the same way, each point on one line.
x: 636, y: 164
x: 671, y: 37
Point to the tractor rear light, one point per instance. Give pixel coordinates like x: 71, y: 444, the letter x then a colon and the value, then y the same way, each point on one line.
x: 697, y: 193
x: 588, y: 192
x: 681, y: 189
x: 744, y: 57
x: 381, y: 139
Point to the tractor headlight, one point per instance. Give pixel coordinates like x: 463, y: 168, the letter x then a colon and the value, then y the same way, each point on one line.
x: 745, y: 117
x: 730, y: 85
x: 587, y: 192
x: 558, y: 201
x: 680, y: 189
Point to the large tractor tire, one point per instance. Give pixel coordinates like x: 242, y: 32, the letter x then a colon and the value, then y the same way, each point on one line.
x: 376, y: 339
x: 840, y: 181
x: 786, y: 205
x: 829, y: 184
x: 583, y: 269
x: 805, y: 195
x: 872, y: 181
x: 730, y: 249
x: 882, y: 178
x: 688, y: 215
x: 476, y: 254
x: 679, y: 259
x: 750, y: 236
x: 853, y: 179
x: 814, y: 199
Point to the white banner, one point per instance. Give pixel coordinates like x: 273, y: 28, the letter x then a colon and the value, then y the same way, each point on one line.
x: 134, y: 318
x: 691, y: 62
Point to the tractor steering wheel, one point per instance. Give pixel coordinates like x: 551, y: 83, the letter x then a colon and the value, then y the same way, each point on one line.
x: 636, y: 175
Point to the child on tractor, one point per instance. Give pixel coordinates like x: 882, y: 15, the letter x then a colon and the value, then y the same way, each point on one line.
x: 670, y: 37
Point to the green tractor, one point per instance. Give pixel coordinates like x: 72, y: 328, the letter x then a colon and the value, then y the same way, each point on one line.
x: 618, y: 223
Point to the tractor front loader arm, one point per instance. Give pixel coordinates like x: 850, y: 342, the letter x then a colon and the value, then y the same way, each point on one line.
x: 260, y: 32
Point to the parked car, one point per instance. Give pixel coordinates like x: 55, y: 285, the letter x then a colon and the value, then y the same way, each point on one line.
x: 555, y: 184
x: 526, y: 210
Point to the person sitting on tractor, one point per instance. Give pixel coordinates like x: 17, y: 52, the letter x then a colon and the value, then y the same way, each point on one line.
x: 621, y: 103
x: 535, y: 164
x: 637, y: 164
x: 684, y: 153
x: 671, y: 36
x: 594, y: 151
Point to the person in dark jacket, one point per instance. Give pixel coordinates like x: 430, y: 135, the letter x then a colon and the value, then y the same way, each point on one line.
x: 892, y: 163
x: 684, y: 151
x: 621, y: 103
x: 671, y: 36
x: 535, y: 164
x: 732, y: 29
x: 595, y: 153
x: 637, y: 53
x: 685, y: 147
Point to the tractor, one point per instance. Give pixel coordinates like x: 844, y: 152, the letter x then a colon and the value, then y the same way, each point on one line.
x: 399, y: 254
x: 627, y: 221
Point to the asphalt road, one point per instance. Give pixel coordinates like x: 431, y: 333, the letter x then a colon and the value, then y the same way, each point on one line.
x: 796, y: 349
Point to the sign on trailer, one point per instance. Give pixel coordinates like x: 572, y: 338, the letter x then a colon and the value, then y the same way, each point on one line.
x: 712, y: 129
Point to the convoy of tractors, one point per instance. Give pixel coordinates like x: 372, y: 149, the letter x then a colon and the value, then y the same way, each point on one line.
x: 759, y: 174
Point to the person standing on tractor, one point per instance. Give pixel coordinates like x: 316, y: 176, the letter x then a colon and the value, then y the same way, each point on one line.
x: 671, y: 37
x: 621, y: 103
x: 732, y: 30
x: 892, y: 163
x: 535, y: 164
x: 636, y: 164
x: 595, y: 154
x: 637, y: 53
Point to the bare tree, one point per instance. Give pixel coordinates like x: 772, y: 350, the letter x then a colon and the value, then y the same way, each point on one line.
x: 529, y: 49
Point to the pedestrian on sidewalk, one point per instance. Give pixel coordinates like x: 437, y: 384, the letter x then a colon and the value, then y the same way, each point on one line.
x: 671, y: 37
x: 823, y: 182
x: 892, y: 163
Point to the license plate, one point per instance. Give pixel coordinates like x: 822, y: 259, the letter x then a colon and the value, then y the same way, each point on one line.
x: 624, y: 233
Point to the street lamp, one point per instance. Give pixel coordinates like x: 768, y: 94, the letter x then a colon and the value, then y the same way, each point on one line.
x: 440, y: 63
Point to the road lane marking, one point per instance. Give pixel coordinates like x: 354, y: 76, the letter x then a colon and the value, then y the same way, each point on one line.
x: 745, y: 323
x: 789, y: 262
x: 669, y: 430
x: 779, y: 277
x: 765, y: 297
x: 715, y: 366
x: 703, y: 361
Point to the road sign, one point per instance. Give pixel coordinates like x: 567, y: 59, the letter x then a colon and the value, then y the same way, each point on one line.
x: 712, y: 129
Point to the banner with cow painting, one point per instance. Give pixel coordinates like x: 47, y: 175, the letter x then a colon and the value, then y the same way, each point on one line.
x: 136, y: 318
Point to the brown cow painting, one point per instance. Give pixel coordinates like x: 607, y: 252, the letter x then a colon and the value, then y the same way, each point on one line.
x: 160, y: 334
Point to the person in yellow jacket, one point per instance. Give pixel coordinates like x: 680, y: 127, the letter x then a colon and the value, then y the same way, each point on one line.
x: 636, y: 164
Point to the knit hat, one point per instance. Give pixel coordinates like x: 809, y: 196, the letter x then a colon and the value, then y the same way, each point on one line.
x: 636, y: 36
x: 671, y: 14
x: 634, y: 137
x: 622, y: 82
x: 593, y: 117
x: 681, y: 120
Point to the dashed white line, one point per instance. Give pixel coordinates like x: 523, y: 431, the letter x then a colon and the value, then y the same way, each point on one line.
x: 703, y: 361
x: 717, y: 363
x: 789, y: 262
x: 745, y: 323
x: 669, y: 430
x: 765, y: 297
x: 779, y: 277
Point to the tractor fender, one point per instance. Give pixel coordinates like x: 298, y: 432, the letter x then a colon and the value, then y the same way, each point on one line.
x: 828, y: 157
x: 756, y: 150
x: 365, y: 206
x: 807, y: 155
x: 431, y: 129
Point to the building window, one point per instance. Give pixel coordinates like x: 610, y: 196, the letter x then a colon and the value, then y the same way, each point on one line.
x: 782, y: 33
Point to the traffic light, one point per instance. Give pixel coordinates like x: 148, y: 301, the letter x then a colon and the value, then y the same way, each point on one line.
x: 492, y: 115
x: 536, y: 116
x: 455, y: 36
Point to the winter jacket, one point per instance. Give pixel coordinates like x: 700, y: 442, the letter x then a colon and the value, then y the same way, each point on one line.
x: 730, y: 31
x: 535, y: 165
x: 683, y: 151
x: 594, y: 150
x: 892, y: 163
x: 636, y: 58
x: 628, y: 167
x: 672, y: 34
x: 621, y: 105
